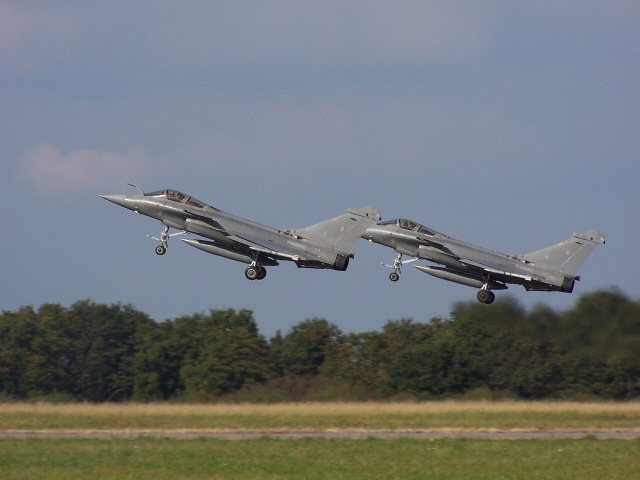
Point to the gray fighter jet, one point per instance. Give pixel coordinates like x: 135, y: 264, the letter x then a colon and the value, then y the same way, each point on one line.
x: 551, y: 269
x: 325, y: 245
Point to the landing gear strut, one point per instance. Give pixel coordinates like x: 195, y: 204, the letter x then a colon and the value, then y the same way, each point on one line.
x: 164, y: 240
x: 397, y: 266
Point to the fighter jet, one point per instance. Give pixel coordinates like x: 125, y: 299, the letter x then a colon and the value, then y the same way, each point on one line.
x: 551, y: 269
x: 325, y: 245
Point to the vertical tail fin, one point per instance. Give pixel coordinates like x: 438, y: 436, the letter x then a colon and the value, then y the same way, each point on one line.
x: 343, y: 231
x: 567, y: 256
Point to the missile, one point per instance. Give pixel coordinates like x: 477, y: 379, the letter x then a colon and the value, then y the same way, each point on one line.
x: 458, y: 277
x: 227, y: 252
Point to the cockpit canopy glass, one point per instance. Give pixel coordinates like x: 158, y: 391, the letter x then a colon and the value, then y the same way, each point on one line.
x: 177, y: 196
x: 409, y: 225
x: 157, y: 193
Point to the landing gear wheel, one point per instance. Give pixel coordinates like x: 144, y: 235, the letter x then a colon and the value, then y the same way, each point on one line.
x: 394, y: 276
x: 161, y: 250
x: 486, y: 296
x: 252, y: 273
x: 262, y: 274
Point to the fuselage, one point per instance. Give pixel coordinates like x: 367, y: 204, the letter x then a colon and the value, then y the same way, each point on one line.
x: 472, y: 261
x: 182, y: 212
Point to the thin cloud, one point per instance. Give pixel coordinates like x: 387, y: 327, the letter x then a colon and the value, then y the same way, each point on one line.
x: 319, y: 36
x: 46, y: 168
x: 240, y: 37
x: 35, y: 38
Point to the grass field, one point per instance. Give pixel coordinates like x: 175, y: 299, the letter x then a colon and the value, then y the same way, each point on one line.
x: 324, y: 416
x: 318, y: 458
x: 269, y: 458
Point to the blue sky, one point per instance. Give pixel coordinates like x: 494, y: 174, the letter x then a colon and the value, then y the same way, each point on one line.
x: 509, y: 126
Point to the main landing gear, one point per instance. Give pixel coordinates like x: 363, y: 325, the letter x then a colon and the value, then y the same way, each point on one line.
x: 164, y: 240
x: 397, y: 266
x: 255, y: 272
x: 486, y: 296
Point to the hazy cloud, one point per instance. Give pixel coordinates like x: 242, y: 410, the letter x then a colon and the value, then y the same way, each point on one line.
x: 35, y: 37
x: 329, y: 33
x: 46, y: 168
x: 239, y: 37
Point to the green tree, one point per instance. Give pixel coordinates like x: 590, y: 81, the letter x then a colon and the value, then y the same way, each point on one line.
x: 18, y: 378
x: 157, y: 363
x: 102, y: 352
x: 104, y: 339
x: 225, y: 353
x: 52, y: 352
x: 359, y: 362
x: 304, y: 349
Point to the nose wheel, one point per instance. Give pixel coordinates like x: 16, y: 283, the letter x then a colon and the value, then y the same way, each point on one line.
x: 164, y: 240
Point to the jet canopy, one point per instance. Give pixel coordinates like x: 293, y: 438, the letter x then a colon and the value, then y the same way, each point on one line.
x: 176, y: 196
x: 405, y: 224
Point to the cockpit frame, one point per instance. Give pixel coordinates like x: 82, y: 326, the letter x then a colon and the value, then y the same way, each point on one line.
x: 410, y: 225
x: 177, y: 196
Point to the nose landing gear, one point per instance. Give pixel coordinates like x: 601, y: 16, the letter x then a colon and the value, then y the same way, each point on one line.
x: 164, y: 240
x: 397, y: 267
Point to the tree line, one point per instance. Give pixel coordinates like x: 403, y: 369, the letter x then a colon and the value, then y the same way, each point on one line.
x: 96, y: 352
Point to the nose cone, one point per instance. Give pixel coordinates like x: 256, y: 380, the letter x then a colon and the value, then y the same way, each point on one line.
x: 121, y: 200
